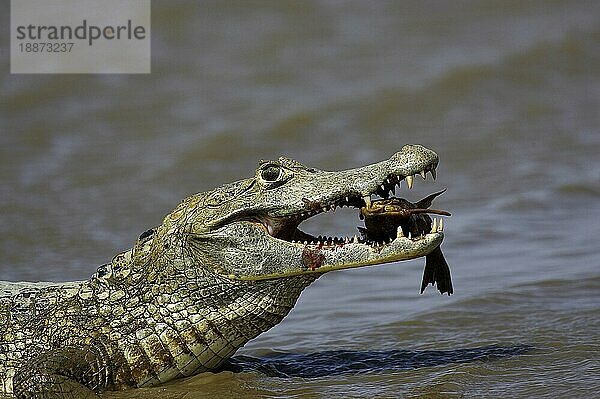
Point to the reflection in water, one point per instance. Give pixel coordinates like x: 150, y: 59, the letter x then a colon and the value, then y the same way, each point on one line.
x: 321, y: 364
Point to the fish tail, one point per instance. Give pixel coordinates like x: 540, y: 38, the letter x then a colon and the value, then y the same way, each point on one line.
x: 437, y: 272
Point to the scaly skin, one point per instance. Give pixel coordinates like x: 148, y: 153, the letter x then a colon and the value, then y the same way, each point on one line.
x: 222, y: 268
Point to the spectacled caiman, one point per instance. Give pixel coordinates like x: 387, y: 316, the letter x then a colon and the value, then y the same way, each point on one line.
x: 223, y: 267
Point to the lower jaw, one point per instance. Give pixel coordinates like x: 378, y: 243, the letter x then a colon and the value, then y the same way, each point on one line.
x: 351, y: 255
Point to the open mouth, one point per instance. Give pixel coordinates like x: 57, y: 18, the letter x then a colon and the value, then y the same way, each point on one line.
x: 386, y: 217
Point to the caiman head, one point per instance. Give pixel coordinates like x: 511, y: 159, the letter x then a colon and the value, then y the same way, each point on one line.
x: 248, y: 230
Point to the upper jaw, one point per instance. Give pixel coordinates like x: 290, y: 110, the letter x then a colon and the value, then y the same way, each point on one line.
x: 327, y: 191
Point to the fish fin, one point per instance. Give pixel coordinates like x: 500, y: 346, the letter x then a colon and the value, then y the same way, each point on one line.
x: 437, y: 272
x: 427, y: 201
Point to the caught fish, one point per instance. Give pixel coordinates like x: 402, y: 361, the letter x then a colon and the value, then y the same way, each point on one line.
x: 387, y: 219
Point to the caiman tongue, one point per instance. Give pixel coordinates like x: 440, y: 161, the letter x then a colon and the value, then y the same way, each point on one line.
x: 383, y: 219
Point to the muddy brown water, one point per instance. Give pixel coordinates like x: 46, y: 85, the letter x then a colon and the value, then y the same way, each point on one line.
x: 507, y: 93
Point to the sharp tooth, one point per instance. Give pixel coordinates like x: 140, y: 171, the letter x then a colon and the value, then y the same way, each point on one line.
x: 388, y: 181
x: 423, y: 175
x: 399, y: 233
x: 355, y: 239
x: 383, y: 187
x: 433, y: 173
x: 305, y: 242
x: 347, y: 200
x: 346, y: 240
x: 270, y: 229
x: 409, y: 181
x: 409, y: 235
x: 441, y: 226
x: 324, y: 209
x: 367, y: 199
x: 434, y: 226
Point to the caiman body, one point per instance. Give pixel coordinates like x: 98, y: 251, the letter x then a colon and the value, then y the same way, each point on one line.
x: 223, y: 267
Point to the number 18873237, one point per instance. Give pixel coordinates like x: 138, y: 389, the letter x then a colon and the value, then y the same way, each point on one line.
x: 42, y: 47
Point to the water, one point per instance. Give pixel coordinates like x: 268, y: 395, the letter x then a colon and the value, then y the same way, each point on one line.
x: 507, y: 93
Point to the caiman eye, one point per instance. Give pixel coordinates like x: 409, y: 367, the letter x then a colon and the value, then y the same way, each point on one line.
x: 271, y: 173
